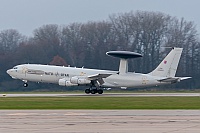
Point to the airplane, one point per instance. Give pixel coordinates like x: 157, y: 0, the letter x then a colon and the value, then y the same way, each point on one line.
x: 97, y: 79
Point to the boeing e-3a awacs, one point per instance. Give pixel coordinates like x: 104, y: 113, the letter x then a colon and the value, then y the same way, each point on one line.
x: 96, y: 79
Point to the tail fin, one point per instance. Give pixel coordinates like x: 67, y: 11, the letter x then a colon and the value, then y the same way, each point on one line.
x: 168, y: 67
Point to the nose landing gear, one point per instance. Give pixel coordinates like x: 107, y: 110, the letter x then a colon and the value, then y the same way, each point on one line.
x: 25, y: 84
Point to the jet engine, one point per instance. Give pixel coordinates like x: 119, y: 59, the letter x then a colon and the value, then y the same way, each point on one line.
x: 73, y: 81
x: 79, y: 80
x: 65, y: 82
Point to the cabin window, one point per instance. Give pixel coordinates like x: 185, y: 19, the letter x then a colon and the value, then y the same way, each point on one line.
x: 14, y: 67
x: 47, y: 73
x: 37, y: 72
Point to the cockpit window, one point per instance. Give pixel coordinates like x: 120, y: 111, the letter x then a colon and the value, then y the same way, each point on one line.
x: 14, y: 67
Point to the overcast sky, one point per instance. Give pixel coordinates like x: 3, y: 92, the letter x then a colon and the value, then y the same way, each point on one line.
x: 27, y: 15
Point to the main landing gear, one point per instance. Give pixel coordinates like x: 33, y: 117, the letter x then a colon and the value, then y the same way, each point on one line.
x: 94, y: 91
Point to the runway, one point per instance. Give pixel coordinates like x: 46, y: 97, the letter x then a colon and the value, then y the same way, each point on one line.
x: 104, y: 95
x: 100, y: 121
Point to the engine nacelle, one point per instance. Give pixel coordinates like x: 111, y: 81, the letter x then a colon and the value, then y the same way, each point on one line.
x: 65, y: 82
x: 79, y: 80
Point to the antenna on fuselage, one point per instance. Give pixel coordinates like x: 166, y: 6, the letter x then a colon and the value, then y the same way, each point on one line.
x: 124, y: 56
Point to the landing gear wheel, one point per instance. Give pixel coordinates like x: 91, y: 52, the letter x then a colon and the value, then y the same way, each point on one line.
x: 93, y: 91
x: 25, y: 84
x: 100, y: 91
x: 87, y: 91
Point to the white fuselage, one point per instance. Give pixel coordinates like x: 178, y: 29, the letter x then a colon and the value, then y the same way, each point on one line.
x: 52, y: 74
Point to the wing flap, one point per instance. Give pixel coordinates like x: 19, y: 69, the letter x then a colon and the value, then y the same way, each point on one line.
x: 98, y: 76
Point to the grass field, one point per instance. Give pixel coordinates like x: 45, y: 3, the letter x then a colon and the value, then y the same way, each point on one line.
x: 100, y: 103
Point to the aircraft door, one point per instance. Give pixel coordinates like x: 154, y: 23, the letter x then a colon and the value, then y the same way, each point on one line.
x: 24, y: 71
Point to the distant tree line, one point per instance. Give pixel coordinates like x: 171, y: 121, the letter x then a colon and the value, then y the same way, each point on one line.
x: 85, y: 44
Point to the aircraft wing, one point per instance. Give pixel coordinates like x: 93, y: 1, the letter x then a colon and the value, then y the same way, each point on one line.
x: 173, y: 79
x: 98, y: 78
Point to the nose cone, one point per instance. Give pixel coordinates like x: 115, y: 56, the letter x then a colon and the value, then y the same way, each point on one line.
x: 9, y: 71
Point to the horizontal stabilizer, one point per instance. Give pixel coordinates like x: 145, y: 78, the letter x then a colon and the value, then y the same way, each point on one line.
x: 183, y: 78
x: 174, y: 79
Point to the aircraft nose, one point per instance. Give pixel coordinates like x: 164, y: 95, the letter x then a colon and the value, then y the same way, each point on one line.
x: 9, y: 71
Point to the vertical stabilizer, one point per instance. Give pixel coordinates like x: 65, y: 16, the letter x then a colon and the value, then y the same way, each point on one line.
x: 168, y: 67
